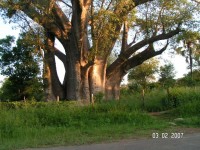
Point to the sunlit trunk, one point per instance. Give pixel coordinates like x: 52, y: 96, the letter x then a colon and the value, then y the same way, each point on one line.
x: 97, y: 77
x: 72, y: 79
x: 48, y: 89
x: 112, y: 86
x: 52, y: 86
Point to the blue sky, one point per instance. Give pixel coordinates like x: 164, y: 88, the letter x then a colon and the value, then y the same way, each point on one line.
x: 178, y: 61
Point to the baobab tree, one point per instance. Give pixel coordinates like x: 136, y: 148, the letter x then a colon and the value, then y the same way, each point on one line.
x: 89, y: 30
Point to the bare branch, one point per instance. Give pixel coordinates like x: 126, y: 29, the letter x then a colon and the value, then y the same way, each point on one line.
x: 144, y: 42
x: 138, y: 59
x: 65, y: 3
x: 59, y: 24
x: 139, y: 2
x: 61, y: 19
x: 163, y: 49
x: 133, y: 41
x: 124, y: 37
x: 102, y: 4
x: 123, y: 57
x: 60, y: 55
x: 109, y: 4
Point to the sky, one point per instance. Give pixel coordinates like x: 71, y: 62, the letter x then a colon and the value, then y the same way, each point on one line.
x: 178, y: 61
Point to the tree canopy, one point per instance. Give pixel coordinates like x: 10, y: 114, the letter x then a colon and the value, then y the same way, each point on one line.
x: 89, y: 31
x: 167, y: 74
x: 145, y: 73
x: 190, y: 49
x: 21, y: 65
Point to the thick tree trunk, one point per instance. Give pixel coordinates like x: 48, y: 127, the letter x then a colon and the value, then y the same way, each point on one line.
x: 86, y: 81
x: 112, y: 86
x: 84, y: 78
x: 85, y: 86
x: 97, y: 77
x: 72, y: 80
x: 48, y: 89
x: 52, y: 86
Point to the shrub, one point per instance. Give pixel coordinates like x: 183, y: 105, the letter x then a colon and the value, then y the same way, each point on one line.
x: 98, y: 97
x: 180, y: 96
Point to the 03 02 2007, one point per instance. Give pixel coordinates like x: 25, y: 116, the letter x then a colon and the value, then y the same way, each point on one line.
x: 174, y: 135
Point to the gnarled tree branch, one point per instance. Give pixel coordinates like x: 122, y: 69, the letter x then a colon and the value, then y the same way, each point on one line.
x: 138, y: 59
x: 61, y: 56
x: 123, y: 57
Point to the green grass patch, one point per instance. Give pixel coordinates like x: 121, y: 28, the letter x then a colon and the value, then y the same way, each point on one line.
x: 154, y: 100
x: 37, y: 124
x: 193, y: 121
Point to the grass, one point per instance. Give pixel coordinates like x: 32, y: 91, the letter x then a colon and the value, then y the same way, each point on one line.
x: 36, y: 124
x: 183, y: 102
x: 39, y: 124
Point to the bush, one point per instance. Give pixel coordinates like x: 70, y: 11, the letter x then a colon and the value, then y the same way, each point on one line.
x: 98, y: 98
x: 188, y: 109
x: 39, y: 115
x: 180, y: 96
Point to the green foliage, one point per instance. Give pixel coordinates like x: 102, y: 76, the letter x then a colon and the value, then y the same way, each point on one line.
x: 193, y: 121
x: 6, y: 90
x: 167, y: 74
x: 183, y: 102
x: 159, y: 100
x: 188, y: 81
x: 190, y: 46
x: 181, y: 96
x: 188, y: 108
x: 153, y: 100
x: 32, y: 122
x: 164, y: 13
x: 61, y: 123
x: 21, y: 65
x: 144, y: 73
x: 102, y: 24
x: 98, y: 97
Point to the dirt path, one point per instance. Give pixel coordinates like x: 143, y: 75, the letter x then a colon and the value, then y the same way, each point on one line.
x: 189, y: 141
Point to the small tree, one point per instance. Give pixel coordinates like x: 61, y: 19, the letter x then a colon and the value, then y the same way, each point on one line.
x: 142, y: 75
x: 167, y: 74
x: 21, y: 66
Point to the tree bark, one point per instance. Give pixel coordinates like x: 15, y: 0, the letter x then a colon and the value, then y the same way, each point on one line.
x: 112, y: 86
x: 53, y: 87
x: 48, y: 89
x: 72, y: 80
x: 97, y: 76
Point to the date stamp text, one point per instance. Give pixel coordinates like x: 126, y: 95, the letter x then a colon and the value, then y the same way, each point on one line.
x: 167, y: 135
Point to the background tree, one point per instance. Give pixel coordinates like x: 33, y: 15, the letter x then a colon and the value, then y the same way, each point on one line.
x: 186, y: 80
x: 89, y: 30
x: 190, y: 49
x: 21, y: 66
x: 143, y: 75
x: 167, y: 74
